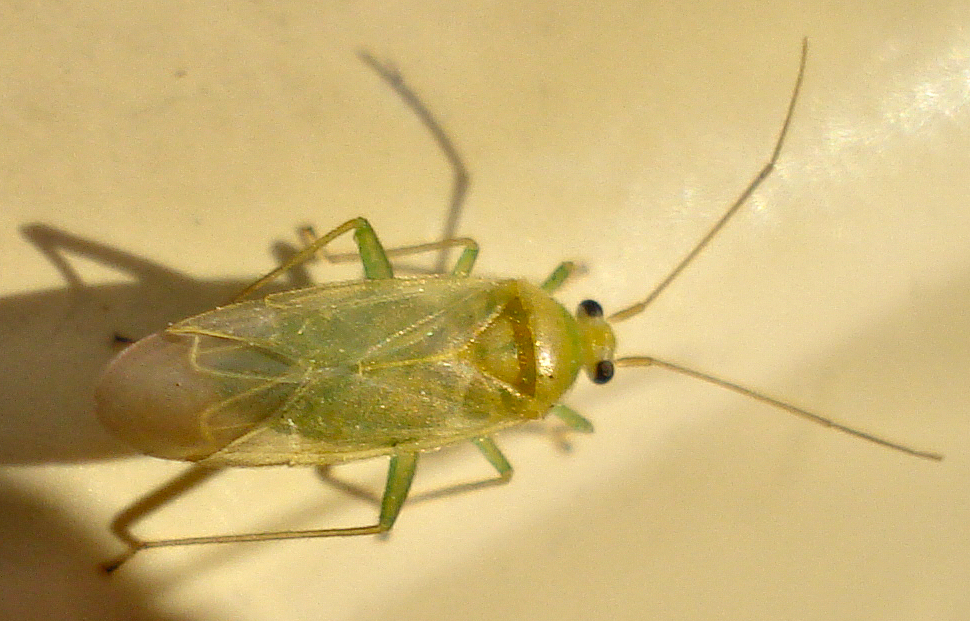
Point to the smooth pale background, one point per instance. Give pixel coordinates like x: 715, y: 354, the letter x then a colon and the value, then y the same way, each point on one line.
x: 197, y: 135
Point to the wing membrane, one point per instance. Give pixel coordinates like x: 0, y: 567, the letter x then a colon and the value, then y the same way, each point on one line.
x: 364, y: 366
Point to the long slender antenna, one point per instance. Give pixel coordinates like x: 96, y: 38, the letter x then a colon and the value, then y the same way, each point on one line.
x: 459, y: 186
x: 639, y: 307
x: 646, y: 361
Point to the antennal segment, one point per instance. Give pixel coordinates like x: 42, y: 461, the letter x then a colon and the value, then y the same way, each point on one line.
x: 647, y: 361
x: 639, y: 307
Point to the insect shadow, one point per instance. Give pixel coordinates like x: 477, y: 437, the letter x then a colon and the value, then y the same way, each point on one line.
x: 46, y: 552
x: 57, y: 342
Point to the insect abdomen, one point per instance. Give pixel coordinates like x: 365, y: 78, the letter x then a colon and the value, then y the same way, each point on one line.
x: 156, y: 397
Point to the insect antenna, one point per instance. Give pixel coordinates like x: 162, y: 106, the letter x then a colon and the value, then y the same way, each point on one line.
x: 639, y: 307
x: 649, y: 361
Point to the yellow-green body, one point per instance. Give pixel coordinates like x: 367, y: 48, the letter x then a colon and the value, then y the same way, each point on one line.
x: 346, y: 371
x: 380, y: 366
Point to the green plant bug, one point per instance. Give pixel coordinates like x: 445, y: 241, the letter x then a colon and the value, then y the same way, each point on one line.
x: 380, y: 366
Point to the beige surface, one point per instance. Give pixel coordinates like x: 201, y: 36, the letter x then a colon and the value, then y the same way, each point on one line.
x: 195, y: 136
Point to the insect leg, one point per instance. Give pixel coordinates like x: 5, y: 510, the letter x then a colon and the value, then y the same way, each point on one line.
x: 121, y: 524
x: 559, y: 276
x: 399, y: 477
x: 485, y: 445
x: 465, y: 263
x: 495, y: 457
x: 462, y: 267
x: 573, y: 419
x: 459, y: 186
x: 372, y: 255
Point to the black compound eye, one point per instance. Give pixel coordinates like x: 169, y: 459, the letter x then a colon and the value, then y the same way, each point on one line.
x: 604, y: 371
x: 591, y: 308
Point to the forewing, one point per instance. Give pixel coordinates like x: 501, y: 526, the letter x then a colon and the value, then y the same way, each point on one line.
x: 370, y: 321
x: 347, y: 415
x: 365, y: 366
